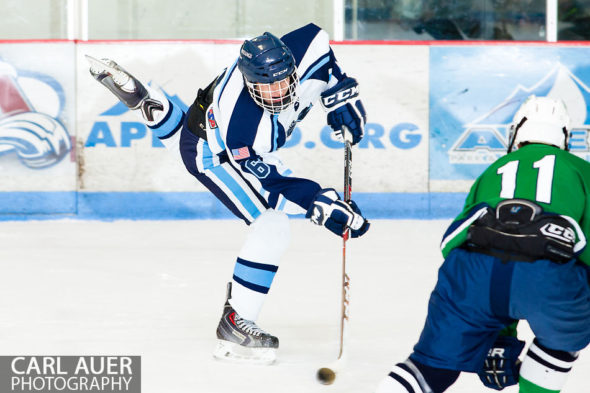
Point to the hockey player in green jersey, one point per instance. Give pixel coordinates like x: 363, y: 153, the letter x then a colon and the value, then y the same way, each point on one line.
x: 516, y: 252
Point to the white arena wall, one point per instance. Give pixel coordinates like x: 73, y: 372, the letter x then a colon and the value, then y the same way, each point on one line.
x: 437, y: 115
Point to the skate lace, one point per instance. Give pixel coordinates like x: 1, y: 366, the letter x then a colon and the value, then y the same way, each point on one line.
x: 249, y: 327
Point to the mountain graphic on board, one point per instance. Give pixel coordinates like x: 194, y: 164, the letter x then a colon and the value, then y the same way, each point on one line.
x: 487, y: 135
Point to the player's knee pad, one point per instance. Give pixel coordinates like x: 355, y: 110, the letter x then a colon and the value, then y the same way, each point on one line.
x: 268, y: 238
x: 545, y: 368
x: 414, y: 377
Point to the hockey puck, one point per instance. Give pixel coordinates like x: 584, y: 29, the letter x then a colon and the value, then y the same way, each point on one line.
x: 326, y: 375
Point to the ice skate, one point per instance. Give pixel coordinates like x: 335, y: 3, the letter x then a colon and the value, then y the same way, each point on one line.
x: 125, y: 87
x: 240, y: 340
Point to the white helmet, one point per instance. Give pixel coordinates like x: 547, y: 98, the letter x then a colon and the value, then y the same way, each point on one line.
x: 540, y: 120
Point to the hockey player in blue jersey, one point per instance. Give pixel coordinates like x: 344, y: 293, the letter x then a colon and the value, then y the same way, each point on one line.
x: 227, y: 141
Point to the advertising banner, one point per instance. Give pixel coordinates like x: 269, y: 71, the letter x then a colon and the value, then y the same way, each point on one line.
x: 120, y: 153
x: 436, y: 117
x: 475, y: 92
x: 37, y: 128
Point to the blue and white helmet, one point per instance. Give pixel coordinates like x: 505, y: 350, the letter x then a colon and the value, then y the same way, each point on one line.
x: 540, y: 120
x: 270, y: 73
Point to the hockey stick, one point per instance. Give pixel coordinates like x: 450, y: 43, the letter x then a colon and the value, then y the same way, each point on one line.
x: 327, y: 375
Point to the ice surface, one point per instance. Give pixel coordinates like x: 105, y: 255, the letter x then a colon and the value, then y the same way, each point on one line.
x: 156, y: 289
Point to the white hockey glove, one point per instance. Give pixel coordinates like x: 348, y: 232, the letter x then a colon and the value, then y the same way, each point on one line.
x: 336, y: 215
x: 345, y: 109
x: 130, y: 91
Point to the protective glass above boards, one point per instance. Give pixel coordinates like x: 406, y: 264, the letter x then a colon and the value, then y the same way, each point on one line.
x: 518, y: 20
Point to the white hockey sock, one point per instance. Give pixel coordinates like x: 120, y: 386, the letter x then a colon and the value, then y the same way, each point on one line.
x: 258, y: 262
x: 546, y: 368
x: 401, y: 379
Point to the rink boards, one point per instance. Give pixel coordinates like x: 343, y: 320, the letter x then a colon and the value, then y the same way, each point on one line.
x: 437, y: 115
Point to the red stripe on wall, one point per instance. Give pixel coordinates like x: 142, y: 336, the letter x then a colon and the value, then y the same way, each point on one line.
x: 361, y: 42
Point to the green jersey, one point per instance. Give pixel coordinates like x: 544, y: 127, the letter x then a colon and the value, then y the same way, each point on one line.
x: 555, y: 179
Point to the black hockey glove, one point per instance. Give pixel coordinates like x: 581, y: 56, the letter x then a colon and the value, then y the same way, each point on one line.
x: 501, y: 366
x: 336, y: 215
x: 345, y: 109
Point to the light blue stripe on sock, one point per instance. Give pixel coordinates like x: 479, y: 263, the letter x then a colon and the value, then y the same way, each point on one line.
x: 255, y: 276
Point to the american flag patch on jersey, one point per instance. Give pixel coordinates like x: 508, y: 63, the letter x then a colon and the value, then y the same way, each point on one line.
x: 241, y: 153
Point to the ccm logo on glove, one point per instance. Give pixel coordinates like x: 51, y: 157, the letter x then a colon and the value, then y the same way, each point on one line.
x: 345, y: 110
x: 340, y: 97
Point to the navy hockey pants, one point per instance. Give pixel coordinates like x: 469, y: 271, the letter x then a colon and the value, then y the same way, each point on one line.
x: 477, y: 295
x: 225, y: 180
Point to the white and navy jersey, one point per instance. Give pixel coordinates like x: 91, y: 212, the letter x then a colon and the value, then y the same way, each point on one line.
x: 242, y: 133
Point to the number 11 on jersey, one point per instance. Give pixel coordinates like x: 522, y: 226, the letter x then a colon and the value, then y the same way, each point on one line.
x: 545, y: 167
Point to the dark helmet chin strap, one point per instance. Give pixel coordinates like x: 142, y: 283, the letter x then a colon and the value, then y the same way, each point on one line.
x: 511, y: 145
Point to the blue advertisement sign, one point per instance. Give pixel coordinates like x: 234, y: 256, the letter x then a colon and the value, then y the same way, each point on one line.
x: 475, y: 92
x: 403, y: 135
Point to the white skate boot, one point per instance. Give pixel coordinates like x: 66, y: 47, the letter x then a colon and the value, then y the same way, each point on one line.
x: 128, y: 89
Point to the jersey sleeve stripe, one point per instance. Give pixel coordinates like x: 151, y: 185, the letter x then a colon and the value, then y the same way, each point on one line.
x: 225, y: 80
x: 170, y: 124
x: 336, y: 71
x: 217, y: 132
x: 463, y: 226
x: 275, y: 133
x: 315, y: 67
x: 219, y: 139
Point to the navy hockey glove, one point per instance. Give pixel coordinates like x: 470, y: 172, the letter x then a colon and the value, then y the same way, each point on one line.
x: 330, y: 211
x: 501, y: 366
x: 345, y: 109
